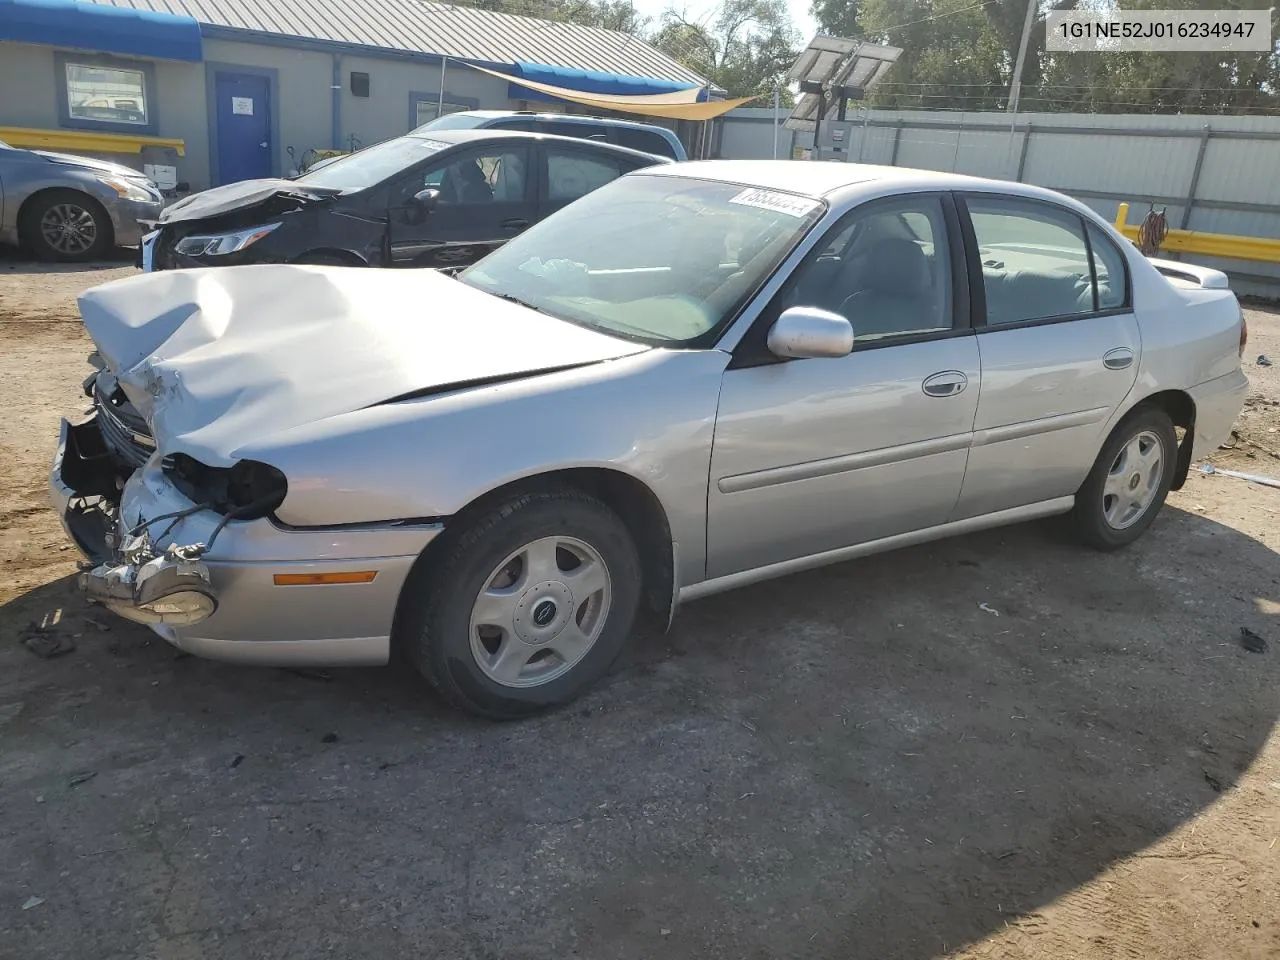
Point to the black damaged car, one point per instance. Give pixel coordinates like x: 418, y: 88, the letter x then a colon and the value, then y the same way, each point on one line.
x: 431, y: 199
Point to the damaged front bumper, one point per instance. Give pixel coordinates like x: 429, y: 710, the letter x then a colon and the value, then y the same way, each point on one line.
x: 257, y: 596
x: 127, y: 574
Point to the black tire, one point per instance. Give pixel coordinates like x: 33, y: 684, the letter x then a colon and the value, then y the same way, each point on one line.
x: 1089, y: 518
x: 435, y: 624
x: 91, y: 233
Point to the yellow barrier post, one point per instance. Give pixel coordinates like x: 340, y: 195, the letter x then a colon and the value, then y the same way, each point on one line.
x: 1222, y: 245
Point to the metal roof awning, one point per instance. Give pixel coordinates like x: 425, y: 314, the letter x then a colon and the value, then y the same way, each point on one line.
x: 689, y: 103
x: 101, y: 29
x: 590, y: 81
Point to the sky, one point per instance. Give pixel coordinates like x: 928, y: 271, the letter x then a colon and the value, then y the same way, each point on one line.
x: 695, y: 9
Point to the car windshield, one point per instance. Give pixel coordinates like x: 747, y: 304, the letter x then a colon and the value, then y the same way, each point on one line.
x: 372, y: 165
x: 453, y: 121
x: 664, y: 260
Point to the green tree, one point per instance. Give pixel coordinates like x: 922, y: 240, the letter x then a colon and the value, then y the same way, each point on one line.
x: 958, y: 55
x: 953, y: 55
x: 745, y: 47
x: 837, y: 17
x: 1132, y: 82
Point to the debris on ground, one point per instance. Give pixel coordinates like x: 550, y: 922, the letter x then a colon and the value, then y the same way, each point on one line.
x: 1238, y: 439
x: 329, y: 738
x: 1252, y: 641
x: 237, y: 760
x: 45, y: 640
x: 32, y: 902
x: 1208, y: 468
x: 80, y: 778
x: 987, y: 608
x: 1264, y: 360
x: 1213, y: 781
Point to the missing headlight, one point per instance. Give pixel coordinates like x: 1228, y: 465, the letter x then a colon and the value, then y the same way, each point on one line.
x: 246, y: 491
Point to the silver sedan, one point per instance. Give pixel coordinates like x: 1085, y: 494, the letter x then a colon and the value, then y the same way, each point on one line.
x: 695, y: 378
x: 63, y: 207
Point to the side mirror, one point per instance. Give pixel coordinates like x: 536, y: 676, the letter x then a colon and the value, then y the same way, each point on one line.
x: 802, y: 333
x: 427, y: 199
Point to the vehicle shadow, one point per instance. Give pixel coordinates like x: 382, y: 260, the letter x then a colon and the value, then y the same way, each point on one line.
x: 13, y: 258
x: 889, y: 758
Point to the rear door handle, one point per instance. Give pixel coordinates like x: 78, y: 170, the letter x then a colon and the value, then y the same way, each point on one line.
x: 516, y: 223
x: 948, y: 383
x: 1117, y: 359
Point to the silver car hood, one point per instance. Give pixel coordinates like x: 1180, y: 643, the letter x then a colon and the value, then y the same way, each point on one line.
x: 88, y: 163
x: 217, y: 358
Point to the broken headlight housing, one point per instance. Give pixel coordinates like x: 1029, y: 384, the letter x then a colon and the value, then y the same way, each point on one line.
x: 170, y: 588
x: 247, y: 490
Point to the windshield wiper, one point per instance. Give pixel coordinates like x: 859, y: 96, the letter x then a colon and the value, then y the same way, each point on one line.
x: 516, y: 300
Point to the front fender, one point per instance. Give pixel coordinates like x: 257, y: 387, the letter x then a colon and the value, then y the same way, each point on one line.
x: 651, y: 416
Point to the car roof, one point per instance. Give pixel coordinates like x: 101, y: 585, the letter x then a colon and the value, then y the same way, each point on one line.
x: 480, y: 134
x: 822, y: 178
x: 569, y: 117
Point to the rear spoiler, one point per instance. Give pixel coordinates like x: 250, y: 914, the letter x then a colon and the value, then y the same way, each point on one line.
x: 1204, y: 277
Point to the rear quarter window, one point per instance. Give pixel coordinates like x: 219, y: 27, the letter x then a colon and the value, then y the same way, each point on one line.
x: 644, y: 140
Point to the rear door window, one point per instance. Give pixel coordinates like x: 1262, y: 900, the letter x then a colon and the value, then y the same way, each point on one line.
x: 1035, y: 262
x: 574, y: 173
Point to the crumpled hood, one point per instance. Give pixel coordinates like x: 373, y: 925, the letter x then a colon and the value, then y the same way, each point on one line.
x: 220, y: 357
x: 101, y: 166
x: 237, y: 196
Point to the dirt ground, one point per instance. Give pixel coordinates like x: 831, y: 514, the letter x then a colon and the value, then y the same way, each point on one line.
x: 865, y: 761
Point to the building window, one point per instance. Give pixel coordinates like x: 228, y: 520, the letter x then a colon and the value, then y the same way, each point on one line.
x: 359, y: 84
x: 425, y: 111
x: 107, y: 94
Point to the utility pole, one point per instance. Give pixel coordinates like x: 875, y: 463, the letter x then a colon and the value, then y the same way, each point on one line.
x: 1015, y: 86
x: 1015, y: 83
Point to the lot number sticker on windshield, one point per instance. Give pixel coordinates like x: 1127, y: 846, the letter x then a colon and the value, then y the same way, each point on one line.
x: 792, y: 206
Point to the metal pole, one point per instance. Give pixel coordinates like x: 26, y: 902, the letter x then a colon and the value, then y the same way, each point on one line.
x: 1195, y: 178
x: 440, y: 104
x: 775, y: 123
x: 1022, y: 158
x: 817, y: 126
x: 1015, y: 83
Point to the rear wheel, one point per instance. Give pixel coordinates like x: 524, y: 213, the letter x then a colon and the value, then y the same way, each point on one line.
x: 1129, y: 481
x: 527, y: 607
x: 66, y: 225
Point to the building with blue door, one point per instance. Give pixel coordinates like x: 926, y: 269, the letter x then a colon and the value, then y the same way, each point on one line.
x: 214, y: 91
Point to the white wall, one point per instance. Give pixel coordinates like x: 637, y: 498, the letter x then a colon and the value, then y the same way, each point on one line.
x: 1100, y: 159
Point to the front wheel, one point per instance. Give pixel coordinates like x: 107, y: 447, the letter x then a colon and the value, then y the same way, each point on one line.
x: 1129, y: 481
x: 527, y: 607
x: 66, y: 225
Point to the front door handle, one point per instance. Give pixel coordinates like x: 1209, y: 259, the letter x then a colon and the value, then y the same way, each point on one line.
x: 516, y: 223
x: 1117, y: 359
x: 948, y: 383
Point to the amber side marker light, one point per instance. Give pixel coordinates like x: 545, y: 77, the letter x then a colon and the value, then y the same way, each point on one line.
x: 322, y: 579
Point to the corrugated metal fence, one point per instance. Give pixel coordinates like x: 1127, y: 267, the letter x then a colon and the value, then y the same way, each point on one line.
x: 1216, y: 174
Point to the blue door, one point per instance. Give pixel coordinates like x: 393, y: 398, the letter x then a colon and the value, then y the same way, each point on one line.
x: 244, y: 126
